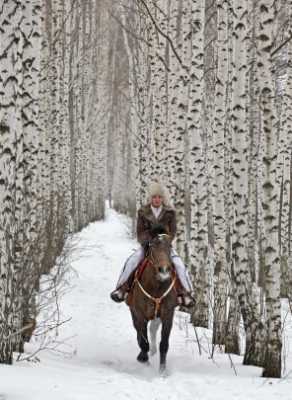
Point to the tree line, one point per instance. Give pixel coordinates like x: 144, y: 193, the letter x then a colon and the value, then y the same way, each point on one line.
x: 52, y: 164
x: 210, y: 83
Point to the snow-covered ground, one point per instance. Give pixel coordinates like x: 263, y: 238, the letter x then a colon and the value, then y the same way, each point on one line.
x: 96, y: 356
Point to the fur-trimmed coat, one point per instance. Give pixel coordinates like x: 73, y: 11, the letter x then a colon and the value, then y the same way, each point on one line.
x: 146, y: 221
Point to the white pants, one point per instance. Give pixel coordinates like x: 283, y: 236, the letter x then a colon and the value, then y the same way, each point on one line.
x: 133, y: 261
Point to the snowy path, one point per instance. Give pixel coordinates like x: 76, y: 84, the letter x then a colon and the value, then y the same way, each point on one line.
x: 103, y: 345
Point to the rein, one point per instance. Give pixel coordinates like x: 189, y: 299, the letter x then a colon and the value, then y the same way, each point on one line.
x: 156, y: 300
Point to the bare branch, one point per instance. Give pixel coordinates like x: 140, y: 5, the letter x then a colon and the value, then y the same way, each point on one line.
x: 232, y: 364
x: 162, y: 33
x: 133, y: 34
x: 281, y: 45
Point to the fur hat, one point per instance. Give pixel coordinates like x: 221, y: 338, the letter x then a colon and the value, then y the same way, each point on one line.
x: 157, y: 189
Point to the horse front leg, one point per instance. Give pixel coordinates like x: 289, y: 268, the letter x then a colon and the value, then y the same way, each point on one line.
x: 164, y: 344
x: 154, y: 325
x: 143, y: 342
x: 140, y: 325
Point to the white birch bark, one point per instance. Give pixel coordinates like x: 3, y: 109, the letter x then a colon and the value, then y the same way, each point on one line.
x: 29, y: 260
x: 135, y: 102
x: 178, y: 113
x: 220, y: 134
x: 43, y: 176
x: 284, y: 178
x: 158, y: 87
x: 270, y: 202
x: 11, y: 135
x: 198, y: 170
x: 240, y: 143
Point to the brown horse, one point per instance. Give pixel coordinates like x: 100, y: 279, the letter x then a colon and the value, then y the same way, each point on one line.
x: 153, y: 297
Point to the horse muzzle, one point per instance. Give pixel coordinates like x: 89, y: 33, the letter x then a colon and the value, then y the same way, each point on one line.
x: 164, y: 273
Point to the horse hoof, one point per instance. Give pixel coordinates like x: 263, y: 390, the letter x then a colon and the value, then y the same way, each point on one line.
x: 142, y: 357
x: 163, y: 371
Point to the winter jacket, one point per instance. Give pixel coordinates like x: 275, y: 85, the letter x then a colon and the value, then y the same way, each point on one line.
x: 146, y: 221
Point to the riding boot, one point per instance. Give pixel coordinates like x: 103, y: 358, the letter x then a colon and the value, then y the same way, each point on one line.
x: 120, y: 294
x: 184, y: 298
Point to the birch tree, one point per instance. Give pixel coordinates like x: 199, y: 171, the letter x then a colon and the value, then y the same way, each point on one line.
x: 198, y: 169
x: 11, y: 48
x: 284, y: 172
x: 270, y: 202
x: 31, y: 33
x: 220, y: 135
x: 241, y: 274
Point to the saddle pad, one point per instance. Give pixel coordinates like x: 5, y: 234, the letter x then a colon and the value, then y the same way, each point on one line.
x: 137, y: 274
x: 141, y: 268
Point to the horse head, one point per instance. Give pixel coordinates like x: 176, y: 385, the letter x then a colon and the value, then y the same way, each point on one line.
x: 160, y: 256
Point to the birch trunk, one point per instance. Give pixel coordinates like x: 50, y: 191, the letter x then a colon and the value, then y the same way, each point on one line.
x: 11, y: 136
x: 284, y: 162
x: 270, y: 202
x: 220, y: 135
x: 31, y: 31
x: 198, y: 170
x: 243, y: 279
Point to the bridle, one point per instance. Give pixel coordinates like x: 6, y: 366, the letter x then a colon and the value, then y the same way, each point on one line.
x: 156, y: 300
x: 159, y: 237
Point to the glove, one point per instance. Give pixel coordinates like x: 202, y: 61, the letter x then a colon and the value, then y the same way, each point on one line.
x: 157, y: 229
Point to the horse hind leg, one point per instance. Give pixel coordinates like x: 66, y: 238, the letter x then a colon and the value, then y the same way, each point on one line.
x: 154, y: 325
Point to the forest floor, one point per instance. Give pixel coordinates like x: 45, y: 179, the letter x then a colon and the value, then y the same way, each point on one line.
x: 93, y: 354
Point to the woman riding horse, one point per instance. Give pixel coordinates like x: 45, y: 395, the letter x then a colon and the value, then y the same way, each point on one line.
x: 153, y: 298
x: 155, y: 215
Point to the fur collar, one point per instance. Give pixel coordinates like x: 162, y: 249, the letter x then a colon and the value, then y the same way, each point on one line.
x: 147, y: 212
